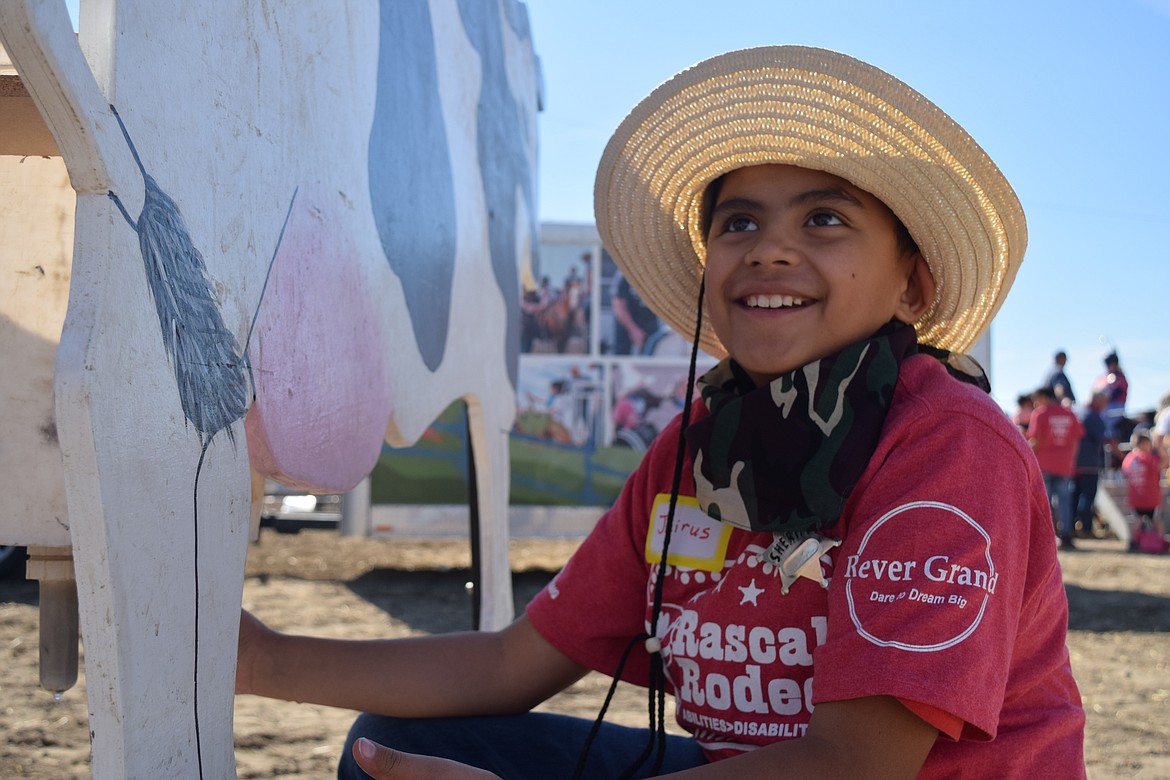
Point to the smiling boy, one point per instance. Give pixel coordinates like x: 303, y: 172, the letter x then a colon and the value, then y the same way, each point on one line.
x: 840, y: 562
x: 800, y: 264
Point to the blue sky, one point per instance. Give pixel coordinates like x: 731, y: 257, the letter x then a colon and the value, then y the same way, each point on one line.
x: 1070, y: 97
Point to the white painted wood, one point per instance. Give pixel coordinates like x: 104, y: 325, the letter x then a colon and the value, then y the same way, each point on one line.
x: 36, y: 233
x: 1108, y: 503
x: 63, y: 86
x: 250, y: 119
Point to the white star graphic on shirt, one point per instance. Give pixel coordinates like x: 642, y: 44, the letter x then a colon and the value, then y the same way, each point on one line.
x: 750, y: 593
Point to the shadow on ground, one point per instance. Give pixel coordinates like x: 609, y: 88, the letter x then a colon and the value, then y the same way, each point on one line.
x: 20, y: 592
x: 435, y: 601
x: 1117, y: 610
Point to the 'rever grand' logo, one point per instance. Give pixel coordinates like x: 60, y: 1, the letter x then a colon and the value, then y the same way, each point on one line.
x: 921, y: 579
x: 936, y: 568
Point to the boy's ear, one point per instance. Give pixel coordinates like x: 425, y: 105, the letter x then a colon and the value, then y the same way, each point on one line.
x: 919, y: 292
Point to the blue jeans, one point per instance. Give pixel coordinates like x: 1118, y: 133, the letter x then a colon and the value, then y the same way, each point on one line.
x: 532, y: 746
x: 1060, y: 491
x: 1084, y: 493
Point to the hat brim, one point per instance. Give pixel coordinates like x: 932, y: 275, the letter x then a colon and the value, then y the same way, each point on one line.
x: 815, y: 109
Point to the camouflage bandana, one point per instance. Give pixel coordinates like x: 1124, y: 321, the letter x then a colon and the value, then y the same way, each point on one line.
x: 785, y: 457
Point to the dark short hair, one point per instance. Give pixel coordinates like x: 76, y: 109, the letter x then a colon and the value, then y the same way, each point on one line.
x: 710, y: 195
x: 906, y: 243
x: 1044, y: 392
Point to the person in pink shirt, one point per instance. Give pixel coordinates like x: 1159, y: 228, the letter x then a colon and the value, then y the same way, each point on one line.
x: 1023, y: 413
x: 1054, y: 432
x: 1143, y: 476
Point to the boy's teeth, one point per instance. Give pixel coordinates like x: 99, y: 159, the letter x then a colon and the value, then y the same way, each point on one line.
x: 773, y: 301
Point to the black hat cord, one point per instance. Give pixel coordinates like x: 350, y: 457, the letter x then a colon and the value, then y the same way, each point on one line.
x: 656, y: 699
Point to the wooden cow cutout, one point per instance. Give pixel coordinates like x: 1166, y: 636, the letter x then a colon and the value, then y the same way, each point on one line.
x: 323, y: 207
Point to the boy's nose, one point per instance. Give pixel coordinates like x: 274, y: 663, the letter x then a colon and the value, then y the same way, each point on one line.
x: 772, y: 249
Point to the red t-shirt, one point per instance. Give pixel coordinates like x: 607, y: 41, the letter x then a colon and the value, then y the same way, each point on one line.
x: 945, y: 592
x: 1143, y: 480
x: 1056, y: 432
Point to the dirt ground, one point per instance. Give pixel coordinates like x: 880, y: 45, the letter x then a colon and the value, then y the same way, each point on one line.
x: 317, y: 582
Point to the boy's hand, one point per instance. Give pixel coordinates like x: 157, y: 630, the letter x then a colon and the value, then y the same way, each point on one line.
x: 383, y: 763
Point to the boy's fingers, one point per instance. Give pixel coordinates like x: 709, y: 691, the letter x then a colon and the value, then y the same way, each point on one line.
x: 377, y: 760
x: 383, y: 763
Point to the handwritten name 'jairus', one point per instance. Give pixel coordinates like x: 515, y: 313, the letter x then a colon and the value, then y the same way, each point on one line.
x: 937, y: 568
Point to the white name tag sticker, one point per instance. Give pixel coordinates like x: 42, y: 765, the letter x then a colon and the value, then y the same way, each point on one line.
x: 697, y: 540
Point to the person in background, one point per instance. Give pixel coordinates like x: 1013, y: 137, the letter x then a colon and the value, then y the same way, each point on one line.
x: 1057, y: 379
x: 636, y: 322
x: 1089, y: 463
x: 1114, y: 383
x: 1023, y: 414
x: 576, y: 292
x: 1054, y: 432
x: 1160, y: 434
x: 1143, y: 473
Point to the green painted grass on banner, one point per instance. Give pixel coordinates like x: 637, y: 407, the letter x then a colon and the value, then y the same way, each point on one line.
x: 434, y: 471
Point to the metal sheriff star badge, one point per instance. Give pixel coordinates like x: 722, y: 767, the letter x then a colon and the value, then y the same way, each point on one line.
x: 798, y: 554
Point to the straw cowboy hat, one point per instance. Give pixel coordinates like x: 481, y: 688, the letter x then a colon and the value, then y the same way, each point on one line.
x: 814, y: 109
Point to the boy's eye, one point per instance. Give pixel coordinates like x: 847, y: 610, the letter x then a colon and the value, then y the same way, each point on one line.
x: 824, y: 219
x: 741, y: 224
